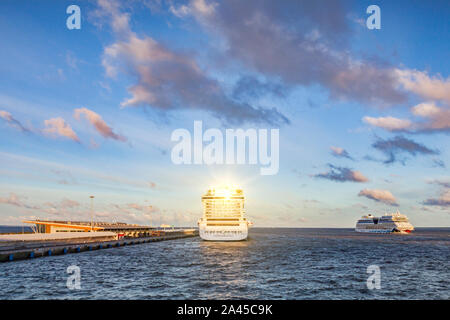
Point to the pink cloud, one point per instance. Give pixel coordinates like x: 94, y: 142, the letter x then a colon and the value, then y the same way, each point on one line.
x: 12, y: 121
x: 143, y: 208
x: 442, y: 201
x: 340, y: 152
x: 428, y: 87
x: 384, y: 196
x: 434, y: 119
x: 389, y: 123
x: 98, y: 123
x: 15, y: 200
x: 342, y: 174
x: 437, y: 119
x: 170, y: 79
x: 59, y: 127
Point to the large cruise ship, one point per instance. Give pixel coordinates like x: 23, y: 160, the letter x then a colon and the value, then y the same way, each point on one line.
x: 223, y: 215
x: 388, y: 223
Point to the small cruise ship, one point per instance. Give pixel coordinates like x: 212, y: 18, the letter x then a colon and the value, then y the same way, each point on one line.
x: 388, y: 223
x: 223, y: 215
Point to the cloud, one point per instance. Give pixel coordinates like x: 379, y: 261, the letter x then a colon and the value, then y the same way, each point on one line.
x: 67, y: 203
x: 341, y: 174
x: 252, y: 87
x: 428, y: 87
x: 64, y: 177
x: 111, y: 10
x: 135, y: 212
x: 12, y: 121
x: 169, y: 80
x: 62, y: 208
x: 389, y: 123
x: 198, y: 8
x: 301, y: 220
x: 73, y: 210
x: 98, y: 123
x: 340, y: 153
x: 398, y: 145
x: 71, y: 60
x: 425, y: 110
x: 442, y: 182
x: 15, y: 200
x: 298, y: 42
x: 384, y: 196
x: 142, y: 208
x: 437, y: 119
x: 434, y: 119
x: 438, y: 163
x: 442, y: 201
x: 59, y: 127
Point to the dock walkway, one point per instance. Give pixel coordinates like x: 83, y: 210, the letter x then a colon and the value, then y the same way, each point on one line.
x: 35, y: 249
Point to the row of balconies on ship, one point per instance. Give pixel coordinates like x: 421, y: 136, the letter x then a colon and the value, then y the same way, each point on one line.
x: 223, y: 198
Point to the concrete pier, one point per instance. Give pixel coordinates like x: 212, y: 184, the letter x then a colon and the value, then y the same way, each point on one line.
x: 35, y: 249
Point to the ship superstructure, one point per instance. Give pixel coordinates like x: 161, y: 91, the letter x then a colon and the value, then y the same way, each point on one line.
x: 223, y: 215
x: 388, y: 223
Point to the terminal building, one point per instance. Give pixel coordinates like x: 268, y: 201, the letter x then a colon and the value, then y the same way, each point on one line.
x: 122, y: 229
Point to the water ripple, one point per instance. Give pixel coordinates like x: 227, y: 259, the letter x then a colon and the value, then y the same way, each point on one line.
x: 272, y: 264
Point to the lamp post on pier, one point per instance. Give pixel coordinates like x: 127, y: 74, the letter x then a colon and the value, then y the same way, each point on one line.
x: 150, y: 213
x: 92, y: 213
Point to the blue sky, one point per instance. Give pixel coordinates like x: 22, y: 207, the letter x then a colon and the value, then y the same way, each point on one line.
x: 364, y: 115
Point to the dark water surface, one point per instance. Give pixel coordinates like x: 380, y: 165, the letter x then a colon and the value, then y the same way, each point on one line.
x: 272, y: 264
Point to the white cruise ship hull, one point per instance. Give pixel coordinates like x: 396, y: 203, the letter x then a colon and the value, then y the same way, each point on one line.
x: 223, y: 215
x: 388, y: 223
x: 402, y: 228
x: 374, y: 230
x: 223, y: 233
